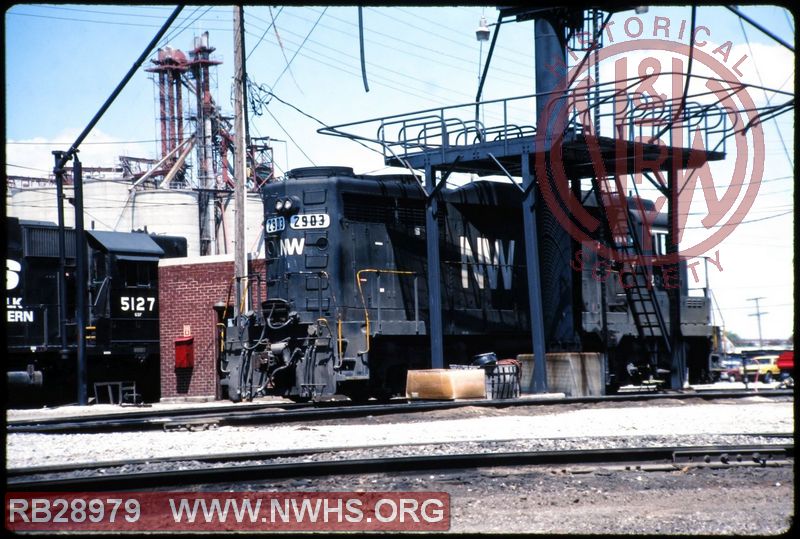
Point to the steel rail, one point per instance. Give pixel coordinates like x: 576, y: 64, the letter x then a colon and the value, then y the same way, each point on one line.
x: 677, y: 456
x: 274, y: 413
x: 265, y: 455
x: 145, y: 412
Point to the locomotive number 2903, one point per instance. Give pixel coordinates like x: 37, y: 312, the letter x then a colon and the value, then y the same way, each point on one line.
x: 309, y: 220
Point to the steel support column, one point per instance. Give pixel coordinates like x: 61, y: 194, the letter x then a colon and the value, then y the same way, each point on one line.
x: 176, y: 79
x: 538, y: 382
x: 555, y: 243
x: 171, y: 120
x: 80, y: 281
x: 62, y: 255
x: 162, y: 102
x: 434, y: 271
x: 678, y: 359
x: 550, y: 69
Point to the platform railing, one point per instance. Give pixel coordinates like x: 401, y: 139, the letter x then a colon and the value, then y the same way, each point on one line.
x: 458, y: 125
x: 644, y: 118
x: 618, y: 109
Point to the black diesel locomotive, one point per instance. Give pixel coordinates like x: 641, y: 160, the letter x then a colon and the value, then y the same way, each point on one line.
x: 346, y: 305
x: 122, y: 334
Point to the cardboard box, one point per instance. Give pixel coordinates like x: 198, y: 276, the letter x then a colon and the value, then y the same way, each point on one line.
x: 575, y: 374
x: 446, y: 384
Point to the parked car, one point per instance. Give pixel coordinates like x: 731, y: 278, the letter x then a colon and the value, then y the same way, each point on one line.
x: 728, y: 369
x: 761, y: 368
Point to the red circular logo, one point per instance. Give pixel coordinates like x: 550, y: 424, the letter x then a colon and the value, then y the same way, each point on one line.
x: 646, y: 125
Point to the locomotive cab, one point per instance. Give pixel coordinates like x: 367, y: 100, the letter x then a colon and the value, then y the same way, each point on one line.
x: 123, y: 292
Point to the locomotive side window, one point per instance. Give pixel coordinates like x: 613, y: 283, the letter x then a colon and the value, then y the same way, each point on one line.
x: 660, y: 242
x: 135, y: 274
x: 98, y: 266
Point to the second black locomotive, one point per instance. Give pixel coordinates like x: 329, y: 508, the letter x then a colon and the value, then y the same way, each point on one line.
x: 122, y: 332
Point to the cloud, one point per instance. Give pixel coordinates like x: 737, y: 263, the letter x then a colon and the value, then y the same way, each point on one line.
x: 768, y: 65
x: 34, y: 157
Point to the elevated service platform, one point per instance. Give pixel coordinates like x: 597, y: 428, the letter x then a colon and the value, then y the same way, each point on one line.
x: 605, y: 129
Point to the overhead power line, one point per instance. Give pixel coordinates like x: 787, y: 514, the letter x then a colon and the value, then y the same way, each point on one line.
x: 289, y: 63
x: 183, y: 25
x: 48, y: 143
x: 135, y: 12
x: 283, y: 50
x: 73, y: 19
x: 435, y: 54
x: 766, y: 96
x: 742, y: 222
x: 290, y: 137
x: 266, y: 31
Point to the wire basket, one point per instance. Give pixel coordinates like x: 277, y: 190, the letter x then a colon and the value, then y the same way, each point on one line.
x: 502, y: 378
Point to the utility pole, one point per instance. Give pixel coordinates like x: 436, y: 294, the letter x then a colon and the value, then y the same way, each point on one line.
x: 758, y: 314
x: 240, y: 163
x: 80, y: 240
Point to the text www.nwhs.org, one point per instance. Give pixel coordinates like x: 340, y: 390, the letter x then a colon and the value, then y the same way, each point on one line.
x: 209, y: 511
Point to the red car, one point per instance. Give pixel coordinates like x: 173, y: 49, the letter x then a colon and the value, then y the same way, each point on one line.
x: 730, y: 370
x: 785, y: 362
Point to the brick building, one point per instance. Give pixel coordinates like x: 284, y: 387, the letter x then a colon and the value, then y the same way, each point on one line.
x: 189, y: 289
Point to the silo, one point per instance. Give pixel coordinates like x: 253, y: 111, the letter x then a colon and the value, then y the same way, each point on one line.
x: 254, y: 217
x: 39, y: 204
x: 171, y: 211
x: 105, y: 202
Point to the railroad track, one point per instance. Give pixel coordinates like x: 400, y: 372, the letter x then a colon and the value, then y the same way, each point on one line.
x: 234, y: 471
x: 272, y: 413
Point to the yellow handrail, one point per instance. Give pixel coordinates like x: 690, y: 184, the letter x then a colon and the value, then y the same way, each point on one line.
x: 364, y: 303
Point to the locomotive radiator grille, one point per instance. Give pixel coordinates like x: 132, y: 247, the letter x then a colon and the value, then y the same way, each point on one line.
x: 372, y: 209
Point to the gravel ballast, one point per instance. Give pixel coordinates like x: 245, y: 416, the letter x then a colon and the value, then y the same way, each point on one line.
x: 470, y: 424
x: 741, y: 500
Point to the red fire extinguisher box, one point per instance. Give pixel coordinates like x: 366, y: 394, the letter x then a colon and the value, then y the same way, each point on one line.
x: 184, y: 353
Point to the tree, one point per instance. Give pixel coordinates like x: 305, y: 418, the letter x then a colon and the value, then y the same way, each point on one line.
x: 733, y: 337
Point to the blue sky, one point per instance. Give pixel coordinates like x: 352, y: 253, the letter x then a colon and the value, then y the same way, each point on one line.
x: 62, y: 61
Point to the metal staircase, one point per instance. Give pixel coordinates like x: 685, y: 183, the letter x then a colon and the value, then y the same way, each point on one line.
x: 637, y: 279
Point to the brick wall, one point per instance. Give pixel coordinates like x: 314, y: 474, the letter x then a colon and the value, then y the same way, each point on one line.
x: 188, y: 290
